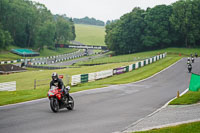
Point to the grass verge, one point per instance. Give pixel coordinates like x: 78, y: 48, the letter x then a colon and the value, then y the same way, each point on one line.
x: 189, y: 98
x: 193, y: 127
x: 30, y: 94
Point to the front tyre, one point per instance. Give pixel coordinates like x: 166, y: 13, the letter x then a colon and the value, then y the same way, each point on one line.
x: 54, y: 105
x: 70, y: 105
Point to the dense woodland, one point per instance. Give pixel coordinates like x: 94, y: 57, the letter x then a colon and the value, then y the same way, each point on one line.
x: 29, y: 24
x: 176, y: 25
x: 90, y: 21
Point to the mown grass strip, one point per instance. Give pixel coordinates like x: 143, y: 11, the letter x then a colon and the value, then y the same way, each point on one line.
x: 193, y: 127
x: 190, y: 97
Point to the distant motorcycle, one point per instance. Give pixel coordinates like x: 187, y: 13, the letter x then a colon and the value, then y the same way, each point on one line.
x: 196, y: 55
x: 189, y: 68
x: 192, y: 60
x: 58, y: 100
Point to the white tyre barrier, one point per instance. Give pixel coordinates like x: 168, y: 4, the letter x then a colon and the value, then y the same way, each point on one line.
x: 76, y: 79
x: 8, y: 86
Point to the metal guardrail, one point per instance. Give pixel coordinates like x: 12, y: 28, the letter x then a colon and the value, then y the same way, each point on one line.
x: 49, y: 67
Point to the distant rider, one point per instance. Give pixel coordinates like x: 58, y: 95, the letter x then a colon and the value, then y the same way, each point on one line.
x: 59, y: 83
x: 196, y: 55
x: 188, y: 60
x: 189, y: 67
x: 192, y: 59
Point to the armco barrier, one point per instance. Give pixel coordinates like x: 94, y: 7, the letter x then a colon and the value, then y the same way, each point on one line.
x: 139, y: 64
x: 119, y: 70
x: 133, y: 67
x: 136, y: 65
x: 8, y: 86
x: 104, y: 74
x: 142, y: 63
x: 130, y: 67
x: 84, y: 78
x: 91, y: 77
x: 76, y: 79
x: 147, y: 61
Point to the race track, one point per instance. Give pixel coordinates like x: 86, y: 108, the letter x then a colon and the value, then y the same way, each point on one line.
x: 103, y: 110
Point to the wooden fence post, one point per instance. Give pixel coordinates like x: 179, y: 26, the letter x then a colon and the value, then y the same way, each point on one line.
x: 34, y: 84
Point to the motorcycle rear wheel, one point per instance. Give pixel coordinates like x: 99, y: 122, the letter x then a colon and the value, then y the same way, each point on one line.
x: 54, y: 105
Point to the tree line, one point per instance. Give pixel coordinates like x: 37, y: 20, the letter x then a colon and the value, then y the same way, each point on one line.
x: 30, y: 24
x: 175, y: 25
x: 90, y: 21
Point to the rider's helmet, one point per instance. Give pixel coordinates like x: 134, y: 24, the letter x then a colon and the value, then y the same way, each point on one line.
x: 54, y: 76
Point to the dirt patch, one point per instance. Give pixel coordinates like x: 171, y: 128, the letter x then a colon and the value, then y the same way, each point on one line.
x: 9, y: 68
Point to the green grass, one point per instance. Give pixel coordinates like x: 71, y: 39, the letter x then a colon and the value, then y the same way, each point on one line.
x: 193, y: 127
x: 25, y: 81
x: 142, y: 55
x: 184, y: 51
x: 120, y: 58
x: 189, y: 98
x: 90, y: 35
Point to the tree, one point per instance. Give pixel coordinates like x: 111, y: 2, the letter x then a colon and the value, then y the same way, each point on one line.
x: 63, y: 31
x: 185, y: 19
x: 46, y: 35
x: 124, y: 36
x: 5, y: 38
x: 157, y: 32
x: 32, y: 25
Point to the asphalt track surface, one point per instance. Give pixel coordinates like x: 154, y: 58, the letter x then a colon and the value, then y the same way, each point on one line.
x: 103, y: 110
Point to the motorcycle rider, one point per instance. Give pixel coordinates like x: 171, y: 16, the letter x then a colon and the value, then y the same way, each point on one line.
x: 196, y: 55
x: 188, y: 60
x: 189, y: 67
x: 59, y: 83
x: 192, y: 60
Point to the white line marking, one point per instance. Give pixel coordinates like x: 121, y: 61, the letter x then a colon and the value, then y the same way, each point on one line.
x: 168, y: 125
x: 164, y: 106
x: 158, y: 72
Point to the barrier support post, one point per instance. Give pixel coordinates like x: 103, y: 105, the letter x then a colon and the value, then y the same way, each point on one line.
x: 34, y: 84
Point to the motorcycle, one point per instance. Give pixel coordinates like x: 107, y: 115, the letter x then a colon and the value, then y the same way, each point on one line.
x: 189, y: 68
x: 58, y: 99
x: 192, y: 60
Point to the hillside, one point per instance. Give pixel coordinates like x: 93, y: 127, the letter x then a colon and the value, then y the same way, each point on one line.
x: 90, y: 35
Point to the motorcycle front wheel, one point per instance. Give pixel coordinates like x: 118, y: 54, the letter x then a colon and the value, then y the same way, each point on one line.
x: 70, y: 106
x: 54, y: 105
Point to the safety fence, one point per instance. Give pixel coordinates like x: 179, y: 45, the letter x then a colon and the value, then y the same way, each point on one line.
x: 83, y: 78
x: 56, y: 60
x: 45, y: 82
x: 45, y: 58
x: 48, y: 67
x: 8, y: 86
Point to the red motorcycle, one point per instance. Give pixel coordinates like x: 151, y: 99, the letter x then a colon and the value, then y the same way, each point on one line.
x: 58, y: 100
